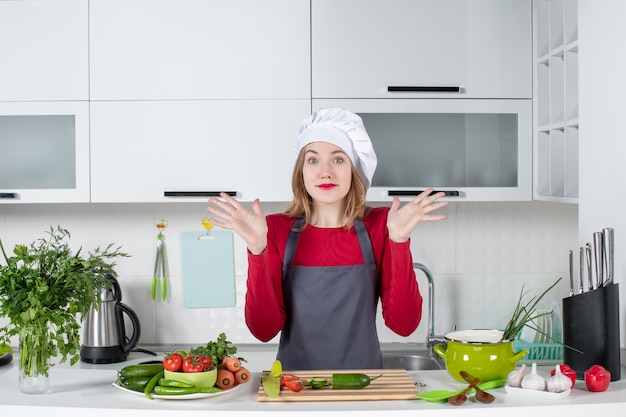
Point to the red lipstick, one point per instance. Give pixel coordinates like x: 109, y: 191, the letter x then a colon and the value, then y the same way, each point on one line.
x: 327, y: 186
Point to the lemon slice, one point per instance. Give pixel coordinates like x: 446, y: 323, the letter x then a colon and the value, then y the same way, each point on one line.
x: 276, y: 369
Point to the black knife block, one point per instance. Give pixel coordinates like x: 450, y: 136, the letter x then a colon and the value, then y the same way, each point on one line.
x: 591, y: 325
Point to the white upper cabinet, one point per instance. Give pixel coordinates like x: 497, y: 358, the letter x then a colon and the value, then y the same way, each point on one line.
x: 44, y: 152
x: 185, y: 151
x: 44, y: 50
x: 199, y: 49
x: 364, y: 48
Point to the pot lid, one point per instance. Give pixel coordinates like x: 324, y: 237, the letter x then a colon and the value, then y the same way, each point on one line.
x: 476, y: 336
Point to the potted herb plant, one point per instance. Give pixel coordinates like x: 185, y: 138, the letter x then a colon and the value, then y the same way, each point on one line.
x: 45, y: 289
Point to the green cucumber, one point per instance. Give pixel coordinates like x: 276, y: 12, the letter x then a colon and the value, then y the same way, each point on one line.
x: 317, y: 383
x: 163, y: 390
x: 351, y: 381
x: 133, y: 371
x: 136, y: 383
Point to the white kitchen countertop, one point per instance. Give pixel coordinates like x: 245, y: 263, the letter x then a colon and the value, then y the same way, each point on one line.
x: 86, y: 389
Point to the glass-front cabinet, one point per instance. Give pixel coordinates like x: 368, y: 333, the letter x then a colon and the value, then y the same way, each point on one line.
x: 44, y: 152
x: 474, y: 150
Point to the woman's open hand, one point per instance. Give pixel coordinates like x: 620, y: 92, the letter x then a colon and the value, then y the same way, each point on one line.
x: 250, y: 225
x: 402, y: 221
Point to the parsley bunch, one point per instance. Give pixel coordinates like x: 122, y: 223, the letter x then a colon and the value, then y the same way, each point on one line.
x: 45, y: 289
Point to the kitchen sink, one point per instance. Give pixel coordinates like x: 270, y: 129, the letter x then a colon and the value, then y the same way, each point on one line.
x: 410, y: 361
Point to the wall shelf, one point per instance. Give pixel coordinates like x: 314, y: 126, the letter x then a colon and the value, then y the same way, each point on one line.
x: 556, y: 101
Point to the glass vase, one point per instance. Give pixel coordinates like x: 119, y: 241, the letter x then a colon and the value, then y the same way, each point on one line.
x: 34, y: 362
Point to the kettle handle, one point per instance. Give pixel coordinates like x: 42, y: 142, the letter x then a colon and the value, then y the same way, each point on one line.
x: 134, y: 339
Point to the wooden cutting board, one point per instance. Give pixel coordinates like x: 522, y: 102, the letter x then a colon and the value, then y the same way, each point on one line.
x: 394, y: 384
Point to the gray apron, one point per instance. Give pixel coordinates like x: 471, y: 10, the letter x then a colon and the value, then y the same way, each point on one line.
x: 331, y: 311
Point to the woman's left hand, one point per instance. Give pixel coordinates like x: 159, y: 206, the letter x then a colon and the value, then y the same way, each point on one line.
x: 402, y: 221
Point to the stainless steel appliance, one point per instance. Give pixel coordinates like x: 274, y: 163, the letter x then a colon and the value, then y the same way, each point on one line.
x: 104, y: 332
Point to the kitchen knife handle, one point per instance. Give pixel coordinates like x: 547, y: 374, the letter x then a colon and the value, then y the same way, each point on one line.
x: 197, y: 193
x: 413, y: 193
x: 589, y: 267
x: 423, y: 89
x: 607, y: 242
x: 581, y: 286
x: 599, y: 258
x: 571, y: 272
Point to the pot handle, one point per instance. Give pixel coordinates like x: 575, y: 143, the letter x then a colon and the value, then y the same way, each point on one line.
x: 134, y: 338
x: 441, y: 349
x: 519, y: 355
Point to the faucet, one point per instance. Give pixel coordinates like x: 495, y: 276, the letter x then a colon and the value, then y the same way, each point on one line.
x: 431, y: 339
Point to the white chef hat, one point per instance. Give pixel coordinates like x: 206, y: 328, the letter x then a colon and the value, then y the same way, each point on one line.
x: 344, y: 129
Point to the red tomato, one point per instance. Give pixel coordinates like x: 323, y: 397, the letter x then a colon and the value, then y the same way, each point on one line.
x: 567, y: 371
x: 173, y: 362
x: 284, y: 378
x: 597, y: 378
x: 205, y: 361
x: 295, y: 385
x: 191, y: 364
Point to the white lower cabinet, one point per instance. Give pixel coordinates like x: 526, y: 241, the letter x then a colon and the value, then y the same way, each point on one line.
x: 183, y: 151
x: 44, y: 152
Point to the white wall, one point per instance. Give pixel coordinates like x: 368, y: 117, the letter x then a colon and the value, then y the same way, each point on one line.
x: 480, y: 258
x: 602, y: 65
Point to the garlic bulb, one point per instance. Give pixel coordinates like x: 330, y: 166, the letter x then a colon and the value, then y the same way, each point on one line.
x: 559, y: 382
x: 534, y: 380
x: 514, y: 379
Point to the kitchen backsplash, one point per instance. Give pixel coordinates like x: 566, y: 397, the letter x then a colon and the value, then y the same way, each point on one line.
x: 480, y: 258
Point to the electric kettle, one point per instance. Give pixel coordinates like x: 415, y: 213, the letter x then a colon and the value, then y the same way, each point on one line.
x: 104, y: 333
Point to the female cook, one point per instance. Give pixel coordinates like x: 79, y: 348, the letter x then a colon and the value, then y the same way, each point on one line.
x: 316, y: 272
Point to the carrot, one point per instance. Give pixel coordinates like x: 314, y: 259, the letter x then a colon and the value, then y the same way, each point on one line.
x: 225, y: 378
x: 242, y: 375
x: 231, y: 363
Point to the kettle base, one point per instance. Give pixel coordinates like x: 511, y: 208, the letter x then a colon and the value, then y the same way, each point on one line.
x: 100, y: 354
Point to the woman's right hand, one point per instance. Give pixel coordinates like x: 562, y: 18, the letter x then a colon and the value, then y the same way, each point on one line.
x: 250, y: 225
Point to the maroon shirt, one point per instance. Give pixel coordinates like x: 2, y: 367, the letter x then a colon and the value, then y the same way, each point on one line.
x: 397, y: 286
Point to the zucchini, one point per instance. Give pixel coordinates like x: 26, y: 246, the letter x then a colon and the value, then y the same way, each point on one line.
x: 164, y: 390
x: 133, y: 371
x: 351, y: 381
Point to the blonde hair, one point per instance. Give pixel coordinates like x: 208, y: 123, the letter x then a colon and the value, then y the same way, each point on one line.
x: 302, y: 203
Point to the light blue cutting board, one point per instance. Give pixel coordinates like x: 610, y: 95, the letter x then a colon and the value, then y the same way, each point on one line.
x: 208, y: 269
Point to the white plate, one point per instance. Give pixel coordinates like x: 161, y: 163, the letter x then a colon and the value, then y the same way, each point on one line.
x: 533, y: 393
x: 179, y: 397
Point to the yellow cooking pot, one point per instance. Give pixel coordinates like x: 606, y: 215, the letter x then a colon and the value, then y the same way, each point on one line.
x: 481, y: 353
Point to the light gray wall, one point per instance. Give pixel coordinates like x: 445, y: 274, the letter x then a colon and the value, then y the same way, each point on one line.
x: 602, y: 65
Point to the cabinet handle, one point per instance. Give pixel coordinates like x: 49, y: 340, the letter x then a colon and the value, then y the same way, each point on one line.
x: 422, y: 89
x: 9, y: 195
x: 398, y: 193
x: 197, y: 193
